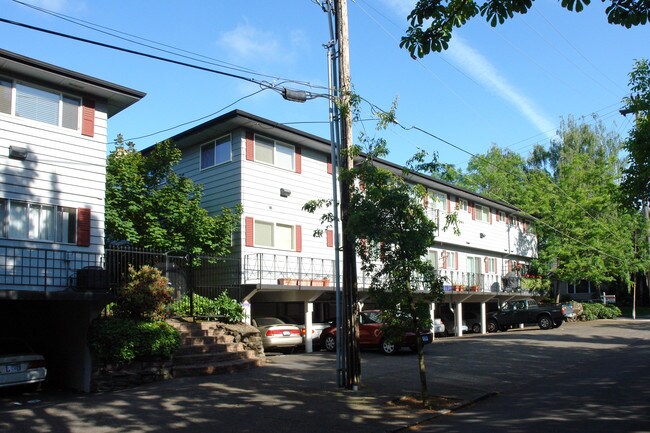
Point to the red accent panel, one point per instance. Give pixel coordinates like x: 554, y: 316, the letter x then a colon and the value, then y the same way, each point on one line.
x: 83, y: 227
x: 444, y: 259
x: 88, y: 118
x: 250, y: 235
x: 509, y: 265
x: 456, y: 253
x: 298, y: 160
x: 250, y: 146
x: 448, y: 204
x: 490, y: 210
x: 329, y: 164
x: 426, y: 201
x: 486, y: 265
x: 470, y: 207
x: 298, y: 238
x: 329, y: 234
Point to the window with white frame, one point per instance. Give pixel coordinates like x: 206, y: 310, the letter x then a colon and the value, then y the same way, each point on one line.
x: 39, y: 104
x: 274, y: 235
x: 491, y: 265
x: 482, y: 213
x: 502, y: 216
x: 272, y: 152
x: 474, y: 265
x: 30, y: 221
x: 216, y: 152
x: 451, y: 260
x: 432, y: 257
x: 462, y: 204
x: 439, y: 200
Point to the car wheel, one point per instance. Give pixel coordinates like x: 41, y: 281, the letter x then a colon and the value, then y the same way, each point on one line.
x: 476, y: 328
x: 545, y: 322
x: 388, y: 348
x: 559, y: 323
x: 492, y: 326
x: 330, y: 343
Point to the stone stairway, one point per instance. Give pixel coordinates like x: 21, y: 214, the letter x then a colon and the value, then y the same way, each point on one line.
x: 213, y: 348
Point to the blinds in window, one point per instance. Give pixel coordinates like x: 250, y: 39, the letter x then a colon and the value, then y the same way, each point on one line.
x: 5, y: 96
x: 37, y: 104
x: 70, y: 113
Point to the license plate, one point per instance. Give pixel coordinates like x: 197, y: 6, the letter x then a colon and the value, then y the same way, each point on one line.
x: 286, y: 333
x: 425, y: 338
x: 12, y: 368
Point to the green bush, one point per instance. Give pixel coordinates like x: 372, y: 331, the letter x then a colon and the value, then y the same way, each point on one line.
x: 122, y: 340
x: 224, y: 307
x: 144, y: 296
x: 594, y: 311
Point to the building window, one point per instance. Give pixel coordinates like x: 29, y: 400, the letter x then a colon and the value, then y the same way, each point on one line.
x: 271, y: 152
x: 439, y: 200
x: 30, y: 221
x: 482, y: 213
x: 216, y: 152
x: 502, y: 216
x: 39, y: 104
x: 451, y: 260
x: 280, y: 236
x: 491, y: 265
x: 432, y: 257
x: 462, y: 204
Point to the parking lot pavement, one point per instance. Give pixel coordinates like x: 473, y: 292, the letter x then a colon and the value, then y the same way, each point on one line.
x: 298, y: 392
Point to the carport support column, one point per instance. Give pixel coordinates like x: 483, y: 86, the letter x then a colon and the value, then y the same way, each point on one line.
x: 483, y: 318
x: 309, y: 309
x: 459, y: 319
x: 432, y: 310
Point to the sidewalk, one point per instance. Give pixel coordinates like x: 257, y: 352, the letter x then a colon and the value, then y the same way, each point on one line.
x: 292, y: 393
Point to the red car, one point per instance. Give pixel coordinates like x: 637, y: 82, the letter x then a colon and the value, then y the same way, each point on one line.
x: 370, y: 335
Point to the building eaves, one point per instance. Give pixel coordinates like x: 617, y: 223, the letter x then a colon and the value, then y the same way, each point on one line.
x: 118, y: 97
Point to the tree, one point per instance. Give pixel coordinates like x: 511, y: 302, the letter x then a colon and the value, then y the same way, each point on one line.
x: 431, y: 22
x: 393, y: 232
x: 636, y: 176
x: 148, y: 205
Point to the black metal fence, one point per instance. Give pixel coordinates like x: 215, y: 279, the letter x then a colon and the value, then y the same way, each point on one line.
x: 44, y: 270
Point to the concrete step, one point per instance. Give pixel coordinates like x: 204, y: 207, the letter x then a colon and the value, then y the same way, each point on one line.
x: 216, y: 368
x: 212, y: 358
x: 210, y: 348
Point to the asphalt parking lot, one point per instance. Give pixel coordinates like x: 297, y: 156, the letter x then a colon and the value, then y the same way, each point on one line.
x: 298, y: 392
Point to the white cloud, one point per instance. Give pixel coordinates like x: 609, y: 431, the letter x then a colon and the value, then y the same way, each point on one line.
x: 53, y: 5
x: 401, y: 7
x: 247, y: 42
x: 480, y: 68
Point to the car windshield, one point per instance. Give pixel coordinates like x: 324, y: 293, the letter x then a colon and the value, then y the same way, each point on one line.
x: 13, y: 347
x: 268, y: 321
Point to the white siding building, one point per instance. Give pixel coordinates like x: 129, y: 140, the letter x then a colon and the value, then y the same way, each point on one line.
x: 53, y: 125
x: 273, y: 170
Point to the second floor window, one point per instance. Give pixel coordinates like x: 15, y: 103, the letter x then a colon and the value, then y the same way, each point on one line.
x: 273, y: 235
x: 39, y: 104
x: 482, y: 213
x: 216, y: 152
x: 271, y: 152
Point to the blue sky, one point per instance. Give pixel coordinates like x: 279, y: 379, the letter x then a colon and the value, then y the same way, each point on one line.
x: 509, y: 85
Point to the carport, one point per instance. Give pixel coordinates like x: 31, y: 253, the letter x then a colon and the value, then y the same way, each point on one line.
x: 457, y: 299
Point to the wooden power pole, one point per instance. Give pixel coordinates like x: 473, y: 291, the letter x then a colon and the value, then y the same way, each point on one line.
x: 350, y: 297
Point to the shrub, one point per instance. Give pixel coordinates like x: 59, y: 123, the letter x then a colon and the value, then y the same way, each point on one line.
x: 122, y: 340
x: 594, y: 311
x: 144, y: 296
x: 228, y: 309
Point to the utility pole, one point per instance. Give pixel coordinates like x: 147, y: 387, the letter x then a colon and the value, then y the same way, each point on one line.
x: 350, y: 296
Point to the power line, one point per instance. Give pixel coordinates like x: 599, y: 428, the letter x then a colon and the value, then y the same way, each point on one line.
x: 215, y: 62
x: 275, y: 87
x: 194, y: 120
